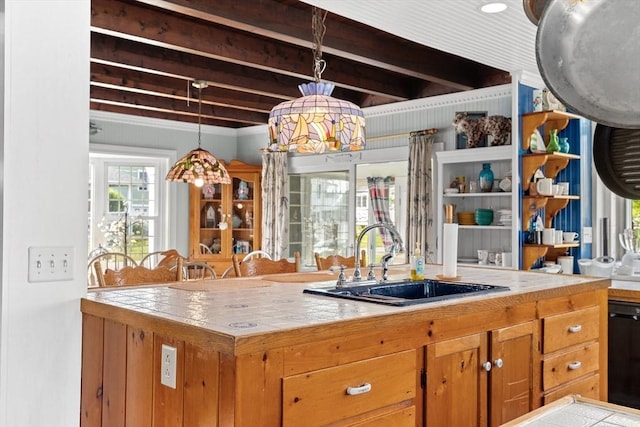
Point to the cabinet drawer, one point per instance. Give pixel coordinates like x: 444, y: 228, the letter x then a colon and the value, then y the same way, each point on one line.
x: 332, y: 394
x: 585, y: 387
x: 567, y: 329
x: 570, y: 365
x: 405, y: 417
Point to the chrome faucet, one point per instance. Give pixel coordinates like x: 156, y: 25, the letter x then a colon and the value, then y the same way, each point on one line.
x: 398, y: 246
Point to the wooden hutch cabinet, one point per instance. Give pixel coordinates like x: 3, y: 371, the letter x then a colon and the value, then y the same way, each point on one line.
x: 225, y: 218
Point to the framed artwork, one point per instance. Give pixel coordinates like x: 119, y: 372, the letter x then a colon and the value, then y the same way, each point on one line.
x: 461, y: 123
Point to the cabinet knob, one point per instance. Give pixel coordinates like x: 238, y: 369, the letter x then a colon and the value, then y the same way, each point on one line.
x: 498, y: 363
x: 486, y: 366
x: 575, y: 328
x: 575, y: 365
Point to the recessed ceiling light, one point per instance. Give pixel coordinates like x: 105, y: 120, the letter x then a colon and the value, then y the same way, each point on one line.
x: 493, y: 7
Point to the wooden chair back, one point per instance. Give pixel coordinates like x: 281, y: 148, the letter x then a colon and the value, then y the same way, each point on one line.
x: 167, y: 258
x: 109, y: 260
x: 337, y: 260
x: 260, y: 266
x: 194, y: 270
x: 256, y: 254
x: 137, y: 275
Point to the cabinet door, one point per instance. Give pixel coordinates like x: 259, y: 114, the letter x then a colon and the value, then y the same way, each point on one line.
x: 512, y: 372
x: 242, y: 213
x: 456, y: 382
x: 225, y: 219
x: 207, y: 204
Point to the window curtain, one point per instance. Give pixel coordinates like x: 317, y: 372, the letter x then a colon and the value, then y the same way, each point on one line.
x: 275, y: 204
x: 379, y: 196
x: 420, y: 213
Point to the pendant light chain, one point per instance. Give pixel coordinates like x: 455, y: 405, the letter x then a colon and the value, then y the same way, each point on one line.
x: 200, y: 84
x: 318, y: 27
x: 199, y: 113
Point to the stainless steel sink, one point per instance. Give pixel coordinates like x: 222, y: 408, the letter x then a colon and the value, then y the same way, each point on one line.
x: 402, y: 293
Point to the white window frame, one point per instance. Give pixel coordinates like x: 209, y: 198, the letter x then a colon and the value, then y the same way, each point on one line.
x: 304, y: 164
x: 101, y: 155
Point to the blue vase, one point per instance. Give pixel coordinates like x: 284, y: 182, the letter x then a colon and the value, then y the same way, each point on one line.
x: 563, y: 143
x: 486, y: 178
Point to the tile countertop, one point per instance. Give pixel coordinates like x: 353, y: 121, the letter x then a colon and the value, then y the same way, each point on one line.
x: 574, y: 410
x: 623, y: 289
x: 244, y: 307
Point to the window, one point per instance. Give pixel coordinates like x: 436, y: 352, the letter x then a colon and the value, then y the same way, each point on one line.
x: 327, y: 209
x: 127, y: 203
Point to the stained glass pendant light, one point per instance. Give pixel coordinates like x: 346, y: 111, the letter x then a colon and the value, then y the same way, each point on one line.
x: 199, y: 166
x: 316, y: 122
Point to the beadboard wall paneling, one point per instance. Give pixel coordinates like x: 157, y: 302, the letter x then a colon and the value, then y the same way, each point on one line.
x: 388, y: 126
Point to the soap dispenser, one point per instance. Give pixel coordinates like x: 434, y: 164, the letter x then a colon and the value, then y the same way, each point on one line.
x: 417, y: 264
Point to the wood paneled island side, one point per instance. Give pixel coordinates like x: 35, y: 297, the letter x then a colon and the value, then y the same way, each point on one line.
x: 260, y: 352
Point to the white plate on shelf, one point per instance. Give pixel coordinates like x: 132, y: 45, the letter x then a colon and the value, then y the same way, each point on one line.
x: 451, y: 190
x: 468, y: 260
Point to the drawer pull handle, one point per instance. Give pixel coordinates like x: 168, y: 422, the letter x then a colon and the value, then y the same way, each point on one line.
x: 486, y: 366
x: 575, y: 328
x: 575, y: 365
x: 364, y: 388
x: 498, y: 363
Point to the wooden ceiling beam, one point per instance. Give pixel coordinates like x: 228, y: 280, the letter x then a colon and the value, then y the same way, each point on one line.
x: 343, y: 38
x: 176, y: 106
x: 172, y: 87
x: 151, y: 27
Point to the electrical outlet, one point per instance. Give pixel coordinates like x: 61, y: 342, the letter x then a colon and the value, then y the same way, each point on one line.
x: 168, y: 366
x: 50, y: 264
x: 587, y: 235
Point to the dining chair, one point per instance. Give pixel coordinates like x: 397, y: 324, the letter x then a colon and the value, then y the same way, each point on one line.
x: 109, y: 260
x: 257, y: 253
x: 195, y: 270
x: 260, y: 266
x: 137, y: 275
x: 204, y: 249
x: 167, y: 258
x: 325, y: 263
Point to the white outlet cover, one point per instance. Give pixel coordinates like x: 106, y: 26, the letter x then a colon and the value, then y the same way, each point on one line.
x: 168, y: 366
x: 50, y: 264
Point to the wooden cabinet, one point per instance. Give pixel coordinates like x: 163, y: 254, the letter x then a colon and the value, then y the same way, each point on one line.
x: 225, y: 218
x: 337, y: 393
x: 447, y: 366
x: 481, y: 379
x: 497, y: 236
x: 571, y: 351
x: 551, y: 164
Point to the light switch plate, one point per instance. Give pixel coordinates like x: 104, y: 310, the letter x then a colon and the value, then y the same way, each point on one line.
x: 587, y: 235
x: 168, y: 366
x: 50, y: 264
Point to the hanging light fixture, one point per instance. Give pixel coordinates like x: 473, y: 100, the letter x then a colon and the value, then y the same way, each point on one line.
x: 316, y: 122
x: 199, y: 166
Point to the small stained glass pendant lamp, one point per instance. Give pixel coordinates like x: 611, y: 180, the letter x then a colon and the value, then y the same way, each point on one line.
x: 316, y: 122
x: 199, y: 166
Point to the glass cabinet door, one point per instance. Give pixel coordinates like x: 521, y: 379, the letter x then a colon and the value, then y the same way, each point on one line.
x: 242, y: 215
x: 211, y: 216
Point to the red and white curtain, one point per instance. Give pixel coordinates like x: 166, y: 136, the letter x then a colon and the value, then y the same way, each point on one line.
x: 379, y: 196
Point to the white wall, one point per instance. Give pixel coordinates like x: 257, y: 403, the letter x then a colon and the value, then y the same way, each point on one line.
x: 44, y: 195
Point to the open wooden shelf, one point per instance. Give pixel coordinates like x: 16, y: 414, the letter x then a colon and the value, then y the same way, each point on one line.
x: 551, y: 119
x: 552, y: 162
x: 552, y: 205
x: 532, y: 253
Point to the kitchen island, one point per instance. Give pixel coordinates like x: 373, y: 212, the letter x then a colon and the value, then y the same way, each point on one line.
x: 260, y: 352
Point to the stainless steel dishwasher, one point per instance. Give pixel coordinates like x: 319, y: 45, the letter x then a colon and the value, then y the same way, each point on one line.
x: 624, y: 353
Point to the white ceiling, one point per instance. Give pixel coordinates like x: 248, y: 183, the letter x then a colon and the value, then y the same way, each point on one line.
x: 505, y: 40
